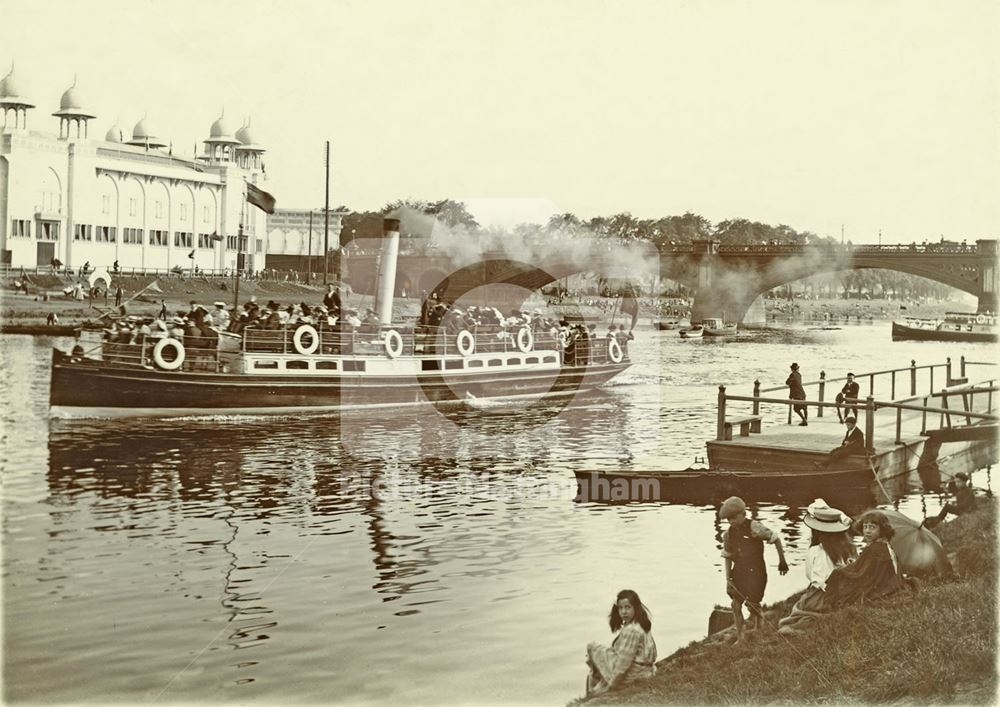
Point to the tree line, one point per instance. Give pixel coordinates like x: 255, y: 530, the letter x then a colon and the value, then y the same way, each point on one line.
x: 663, y: 233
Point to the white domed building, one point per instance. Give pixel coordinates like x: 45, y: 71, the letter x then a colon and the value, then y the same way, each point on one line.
x: 66, y: 196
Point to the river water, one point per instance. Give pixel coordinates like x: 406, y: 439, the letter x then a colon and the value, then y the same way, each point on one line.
x: 378, y: 558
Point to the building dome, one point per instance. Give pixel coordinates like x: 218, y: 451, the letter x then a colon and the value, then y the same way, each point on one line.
x: 142, y: 135
x: 220, y: 131
x: 70, y: 105
x: 247, y: 139
x: 11, y: 92
x: 115, y: 134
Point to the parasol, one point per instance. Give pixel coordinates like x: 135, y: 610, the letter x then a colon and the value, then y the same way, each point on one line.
x: 917, y: 549
x: 102, y: 276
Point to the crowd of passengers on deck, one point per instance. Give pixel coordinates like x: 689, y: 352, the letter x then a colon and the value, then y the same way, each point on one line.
x: 199, y: 327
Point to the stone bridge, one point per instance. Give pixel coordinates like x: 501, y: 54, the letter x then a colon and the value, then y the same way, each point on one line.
x: 725, y: 279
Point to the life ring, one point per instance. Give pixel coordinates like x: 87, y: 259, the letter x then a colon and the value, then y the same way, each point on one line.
x: 525, y: 339
x: 615, y: 351
x: 465, y: 342
x: 161, y: 362
x: 313, y: 342
x: 980, y: 319
x: 393, y: 343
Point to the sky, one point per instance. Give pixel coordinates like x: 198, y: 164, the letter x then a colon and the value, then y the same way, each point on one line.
x: 863, y: 116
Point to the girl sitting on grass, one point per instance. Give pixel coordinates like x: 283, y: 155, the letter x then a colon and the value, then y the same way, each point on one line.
x: 875, y: 574
x: 632, y: 654
x: 831, y: 548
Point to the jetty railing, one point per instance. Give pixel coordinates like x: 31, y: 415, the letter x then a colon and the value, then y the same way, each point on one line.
x: 891, y: 382
x: 930, y: 403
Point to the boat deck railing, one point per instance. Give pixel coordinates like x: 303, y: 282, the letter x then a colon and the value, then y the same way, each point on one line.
x: 956, y: 403
x: 413, y: 341
x: 207, y: 354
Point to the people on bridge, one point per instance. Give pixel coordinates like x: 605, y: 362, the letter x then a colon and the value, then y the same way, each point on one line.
x: 848, y: 394
x: 797, y: 392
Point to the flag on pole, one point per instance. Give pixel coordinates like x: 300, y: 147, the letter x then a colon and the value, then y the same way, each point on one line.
x: 260, y: 198
x: 191, y: 254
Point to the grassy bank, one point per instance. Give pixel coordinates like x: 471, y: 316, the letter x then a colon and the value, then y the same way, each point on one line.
x: 934, y: 646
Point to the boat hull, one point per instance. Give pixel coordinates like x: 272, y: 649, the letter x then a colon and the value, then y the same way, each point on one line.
x: 94, y: 389
x: 903, y: 332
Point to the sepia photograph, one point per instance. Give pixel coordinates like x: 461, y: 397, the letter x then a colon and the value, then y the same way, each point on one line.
x: 457, y: 352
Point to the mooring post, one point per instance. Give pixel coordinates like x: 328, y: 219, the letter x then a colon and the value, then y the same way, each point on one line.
x: 822, y: 390
x: 893, y: 396
x: 961, y: 366
x: 923, y: 422
x: 913, y: 377
x: 720, y: 432
x: 947, y: 377
x: 756, y: 394
x: 869, y: 423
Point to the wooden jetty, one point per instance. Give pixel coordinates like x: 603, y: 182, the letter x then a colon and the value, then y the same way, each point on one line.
x: 955, y: 422
x: 758, y: 452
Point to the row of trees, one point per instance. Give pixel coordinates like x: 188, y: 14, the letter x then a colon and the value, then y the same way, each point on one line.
x: 663, y: 233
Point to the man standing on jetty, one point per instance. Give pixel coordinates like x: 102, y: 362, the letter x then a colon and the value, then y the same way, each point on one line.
x: 797, y: 392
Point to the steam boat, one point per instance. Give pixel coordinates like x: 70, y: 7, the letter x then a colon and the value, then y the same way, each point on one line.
x: 321, y: 368
x: 956, y: 326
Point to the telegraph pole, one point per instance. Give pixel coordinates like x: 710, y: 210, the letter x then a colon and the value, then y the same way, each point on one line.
x: 326, y: 220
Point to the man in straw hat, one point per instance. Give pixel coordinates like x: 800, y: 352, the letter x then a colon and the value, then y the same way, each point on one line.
x: 743, y: 553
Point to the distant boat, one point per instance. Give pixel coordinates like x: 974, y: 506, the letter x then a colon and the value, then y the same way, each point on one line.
x: 717, y: 327
x: 667, y: 323
x: 694, y: 332
x: 956, y: 326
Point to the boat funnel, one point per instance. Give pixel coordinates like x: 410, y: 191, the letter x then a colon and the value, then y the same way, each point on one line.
x: 386, y: 283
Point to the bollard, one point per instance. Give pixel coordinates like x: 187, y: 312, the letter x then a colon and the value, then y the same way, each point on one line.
x: 869, y: 423
x: 822, y: 389
x: 720, y: 432
x: 947, y: 369
x: 756, y: 394
x: 961, y: 366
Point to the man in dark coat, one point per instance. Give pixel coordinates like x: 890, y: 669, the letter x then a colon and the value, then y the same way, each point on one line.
x: 854, y: 443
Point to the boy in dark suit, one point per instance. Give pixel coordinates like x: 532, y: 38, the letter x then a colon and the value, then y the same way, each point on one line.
x: 854, y: 443
x: 848, y: 394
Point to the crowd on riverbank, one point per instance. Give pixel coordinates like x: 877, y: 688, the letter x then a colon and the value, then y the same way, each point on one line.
x: 891, y: 637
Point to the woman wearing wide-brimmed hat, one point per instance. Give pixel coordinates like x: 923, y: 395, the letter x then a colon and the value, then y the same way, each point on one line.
x: 831, y: 548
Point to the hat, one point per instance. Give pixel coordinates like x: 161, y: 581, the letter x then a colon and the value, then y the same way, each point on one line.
x: 795, y: 366
x: 177, y: 320
x: 851, y: 375
x: 732, y: 506
x: 850, y: 418
x: 820, y: 516
x: 219, y: 304
x: 962, y: 475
